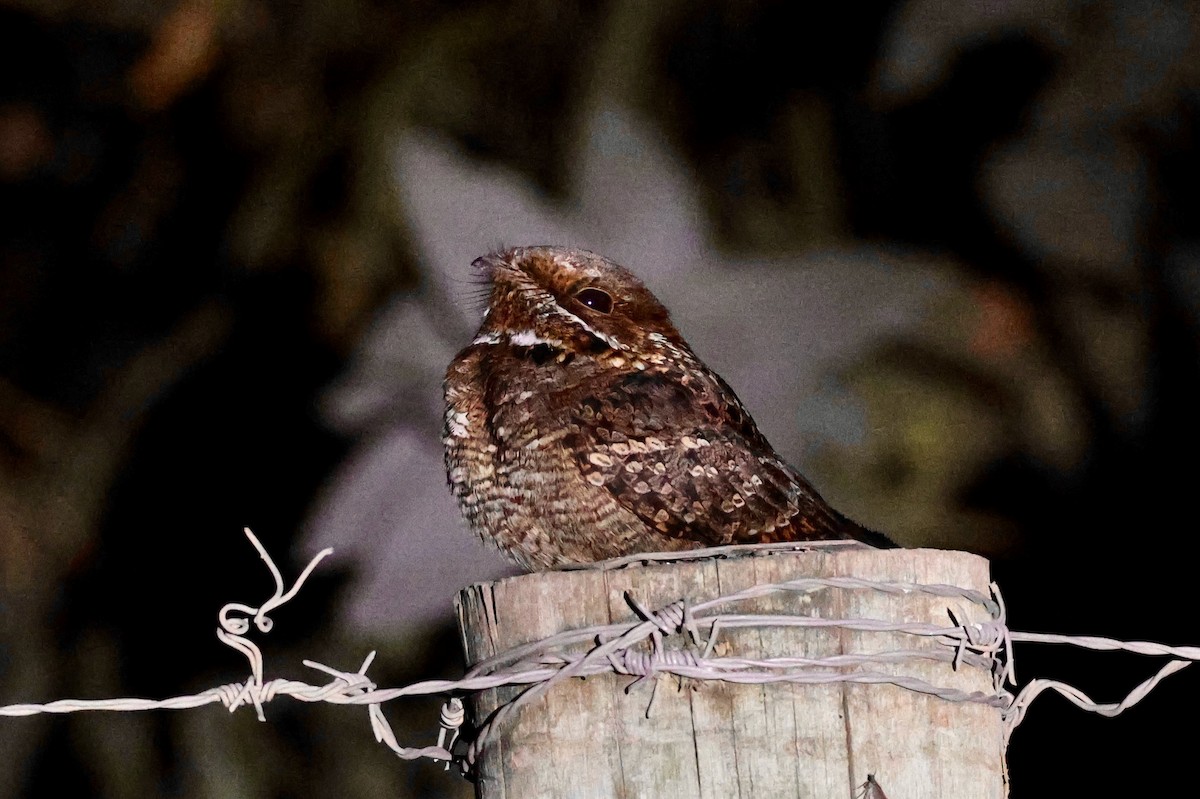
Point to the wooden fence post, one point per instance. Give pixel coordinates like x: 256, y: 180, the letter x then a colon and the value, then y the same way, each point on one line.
x: 589, y: 738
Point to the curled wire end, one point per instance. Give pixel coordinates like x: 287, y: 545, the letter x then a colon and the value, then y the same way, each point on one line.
x: 452, y: 717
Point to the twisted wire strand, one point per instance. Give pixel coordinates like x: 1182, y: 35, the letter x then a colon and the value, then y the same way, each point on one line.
x: 636, y: 649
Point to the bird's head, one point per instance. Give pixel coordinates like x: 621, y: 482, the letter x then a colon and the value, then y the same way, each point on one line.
x: 569, y: 300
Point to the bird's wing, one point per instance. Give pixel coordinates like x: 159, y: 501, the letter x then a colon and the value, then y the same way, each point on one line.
x: 686, y: 458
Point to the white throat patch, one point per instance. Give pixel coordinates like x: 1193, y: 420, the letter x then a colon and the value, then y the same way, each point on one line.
x: 528, y: 338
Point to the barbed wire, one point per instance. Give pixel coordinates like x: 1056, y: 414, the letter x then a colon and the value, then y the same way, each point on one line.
x: 621, y: 649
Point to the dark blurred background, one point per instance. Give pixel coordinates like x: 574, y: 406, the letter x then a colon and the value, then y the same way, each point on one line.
x: 949, y: 254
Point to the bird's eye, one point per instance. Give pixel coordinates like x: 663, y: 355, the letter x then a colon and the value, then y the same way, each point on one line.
x: 596, y: 299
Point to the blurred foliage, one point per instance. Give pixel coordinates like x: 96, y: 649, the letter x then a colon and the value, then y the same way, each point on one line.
x: 200, y: 221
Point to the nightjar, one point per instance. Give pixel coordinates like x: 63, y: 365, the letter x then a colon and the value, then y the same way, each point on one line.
x: 580, y: 426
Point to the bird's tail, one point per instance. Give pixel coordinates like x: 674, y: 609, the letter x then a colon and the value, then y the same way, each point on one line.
x: 853, y: 529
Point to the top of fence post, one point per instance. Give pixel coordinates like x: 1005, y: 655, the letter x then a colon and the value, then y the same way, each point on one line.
x: 842, y: 707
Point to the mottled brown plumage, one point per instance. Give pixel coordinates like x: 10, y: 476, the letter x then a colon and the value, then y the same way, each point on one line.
x: 580, y: 426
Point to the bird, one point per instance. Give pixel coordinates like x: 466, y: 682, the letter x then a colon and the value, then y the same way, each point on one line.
x: 579, y: 426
